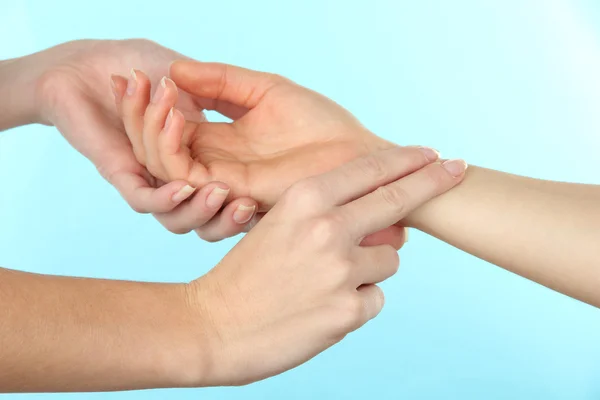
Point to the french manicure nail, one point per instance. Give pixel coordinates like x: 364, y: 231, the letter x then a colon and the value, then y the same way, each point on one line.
x: 131, y: 82
x: 113, y: 86
x: 431, y: 154
x: 455, y: 167
x: 243, y: 214
x: 160, y: 91
x: 216, y: 198
x: 183, y: 194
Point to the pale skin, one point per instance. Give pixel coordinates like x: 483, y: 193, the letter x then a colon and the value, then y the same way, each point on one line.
x: 294, y: 286
x: 66, y: 86
x: 71, y: 334
x: 542, y: 230
x: 74, y: 314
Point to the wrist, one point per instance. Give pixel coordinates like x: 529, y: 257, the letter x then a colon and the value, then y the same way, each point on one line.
x: 188, y: 357
x: 18, y: 104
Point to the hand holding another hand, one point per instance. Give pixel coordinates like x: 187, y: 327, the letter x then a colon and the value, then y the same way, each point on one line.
x: 72, y: 91
x: 281, y: 132
x: 300, y: 280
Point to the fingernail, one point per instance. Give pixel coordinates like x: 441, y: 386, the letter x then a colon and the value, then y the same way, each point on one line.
x: 406, y: 234
x: 169, y: 118
x: 113, y: 86
x: 455, y: 167
x: 431, y: 154
x: 243, y: 214
x: 131, y: 82
x: 183, y: 194
x: 160, y: 90
x: 216, y: 198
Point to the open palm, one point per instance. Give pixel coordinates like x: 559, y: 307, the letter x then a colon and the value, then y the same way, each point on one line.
x: 281, y: 132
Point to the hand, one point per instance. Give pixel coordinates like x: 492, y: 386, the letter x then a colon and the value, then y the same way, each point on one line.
x: 281, y: 132
x: 75, y: 95
x: 299, y: 281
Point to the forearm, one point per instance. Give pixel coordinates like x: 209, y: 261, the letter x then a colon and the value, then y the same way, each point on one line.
x: 545, y: 231
x: 18, y: 104
x: 70, y: 334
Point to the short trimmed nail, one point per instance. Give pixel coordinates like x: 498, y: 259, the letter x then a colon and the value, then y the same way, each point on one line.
x: 406, y: 231
x: 243, y: 214
x: 113, y: 86
x: 216, y: 198
x: 169, y: 119
x: 455, y: 167
x: 160, y: 91
x: 183, y: 194
x: 131, y: 82
x: 431, y: 154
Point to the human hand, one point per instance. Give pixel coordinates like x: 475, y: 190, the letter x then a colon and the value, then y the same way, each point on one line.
x: 74, y: 94
x: 281, y: 132
x: 300, y: 281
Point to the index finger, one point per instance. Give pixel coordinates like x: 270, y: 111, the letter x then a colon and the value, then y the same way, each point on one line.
x: 390, y: 203
x: 365, y: 174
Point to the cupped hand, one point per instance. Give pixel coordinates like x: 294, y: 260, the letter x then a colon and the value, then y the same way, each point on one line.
x: 74, y: 94
x: 281, y: 132
x: 300, y: 280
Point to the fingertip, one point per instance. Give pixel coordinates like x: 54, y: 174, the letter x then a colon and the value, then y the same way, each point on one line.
x: 216, y: 196
x: 456, y: 168
x: 225, y: 225
x: 183, y: 194
x: 243, y: 210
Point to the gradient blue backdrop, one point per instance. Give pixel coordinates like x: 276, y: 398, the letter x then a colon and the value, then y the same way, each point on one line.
x: 512, y: 85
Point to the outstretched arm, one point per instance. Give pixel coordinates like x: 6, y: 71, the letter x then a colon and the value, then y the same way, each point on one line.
x: 545, y: 231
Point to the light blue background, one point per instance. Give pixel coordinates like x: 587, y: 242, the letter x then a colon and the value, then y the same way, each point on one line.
x: 512, y: 85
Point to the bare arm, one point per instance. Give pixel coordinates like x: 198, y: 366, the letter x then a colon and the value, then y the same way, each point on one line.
x: 71, y: 334
x: 546, y: 231
x: 17, y: 104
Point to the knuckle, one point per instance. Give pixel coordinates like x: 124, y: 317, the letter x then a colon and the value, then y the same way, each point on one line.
x: 175, y: 228
x: 394, y: 196
x: 140, y: 155
x: 325, y: 230
x: 351, y: 313
x: 138, y: 207
x: 394, y: 261
x: 340, y: 272
x: 201, y: 217
x: 305, y: 193
x: 372, y: 167
x: 179, y: 230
